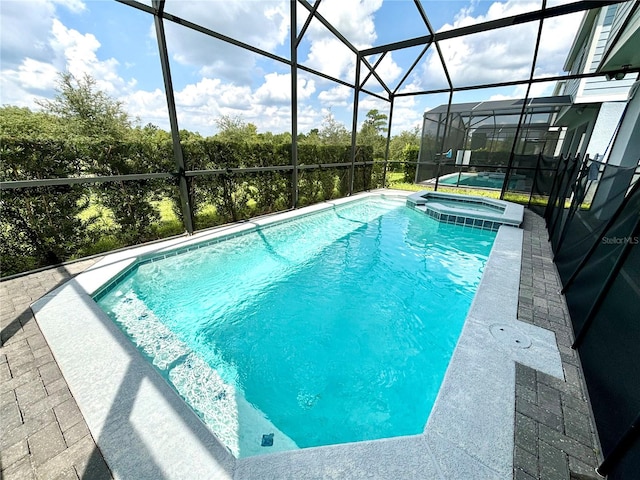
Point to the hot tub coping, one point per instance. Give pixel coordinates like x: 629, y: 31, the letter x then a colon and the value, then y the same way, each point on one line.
x: 507, y: 213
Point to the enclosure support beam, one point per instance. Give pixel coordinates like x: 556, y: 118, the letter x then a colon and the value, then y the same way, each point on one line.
x: 426, y: 21
x: 513, y: 83
x: 183, y: 184
x: 386, y: 150
x: 410, y: 69
x: 307, y: 22
x: 535, y: 178
x: 294, y: 105
x: 447, y: 121
x: 375, y: 65
x: 566, y: 180
x: 213, y: 34
x: 347, y: 43
x: 418, y: 161
x: 565, y: 9
x: 354, y: 124
x: 507, y: 174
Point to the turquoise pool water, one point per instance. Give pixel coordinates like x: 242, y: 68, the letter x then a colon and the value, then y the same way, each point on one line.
x: 475, y: 180
x: 330, y: 328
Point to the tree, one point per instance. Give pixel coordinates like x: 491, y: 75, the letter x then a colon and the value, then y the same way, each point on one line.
x: 333, y: 132
x: 311, y: 138
x: 86, y: 110
x: 274, y: 138
x: 112, y: 148
x: 372, y: 131
x: 20, y: 122
x: 233, y: 129
x: 42, y: 225
x: 398, y: 143
x: 376, y: 121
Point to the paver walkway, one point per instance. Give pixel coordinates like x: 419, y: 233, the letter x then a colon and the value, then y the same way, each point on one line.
x: 555, y: 435
x: 43, y: 434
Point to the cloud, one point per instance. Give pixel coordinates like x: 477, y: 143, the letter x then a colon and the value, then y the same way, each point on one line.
x: 199, y: 104
x: 261, y: 24
x: 503, y: 54
x: 339, y: 96
x: 406, y: 115
x: 75, y: 6
x: 35, y: 75
x: 150, y: 107
x: 76, y: 53
x: 276, y: 90
x: 537, y: 90
x: 213, y: 78
x: 371, y: 103
x: 354, y: 19
x: 388, y: 70
x: 331, y: 57
x: 556, y: 40
x: 22, y: 35
x: 45, y: 47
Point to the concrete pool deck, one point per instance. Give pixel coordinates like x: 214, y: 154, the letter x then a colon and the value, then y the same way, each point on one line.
x: 550, y: 415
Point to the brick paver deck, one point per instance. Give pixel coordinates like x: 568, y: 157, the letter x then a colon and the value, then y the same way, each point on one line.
x: 45, y: 437
x: 555, y: 435
x: 43, y: 434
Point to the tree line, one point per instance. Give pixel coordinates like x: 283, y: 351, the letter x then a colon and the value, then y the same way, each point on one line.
x: 83, y: 132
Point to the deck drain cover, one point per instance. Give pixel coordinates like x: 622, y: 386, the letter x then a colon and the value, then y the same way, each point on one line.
x: 509, y: 336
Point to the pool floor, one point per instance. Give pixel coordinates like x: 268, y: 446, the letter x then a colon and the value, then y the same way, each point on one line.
x: 321, y: 348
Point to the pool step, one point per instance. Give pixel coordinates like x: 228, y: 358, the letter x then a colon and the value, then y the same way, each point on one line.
x: 237, y: 423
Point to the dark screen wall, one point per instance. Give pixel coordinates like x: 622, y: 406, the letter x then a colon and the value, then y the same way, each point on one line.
x: 597, y: 253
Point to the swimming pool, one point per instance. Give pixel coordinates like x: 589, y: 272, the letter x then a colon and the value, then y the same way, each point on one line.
x: 293, y: 335
x: 144, y: 429
x: 491, y: 180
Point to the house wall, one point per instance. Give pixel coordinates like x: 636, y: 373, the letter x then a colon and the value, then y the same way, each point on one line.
x: 605, y: 127
x: 599, y: 89
x: 624, y: 153
x: 622, y: 12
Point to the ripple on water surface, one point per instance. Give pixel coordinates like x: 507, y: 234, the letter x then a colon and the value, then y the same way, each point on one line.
x: 332, y: 328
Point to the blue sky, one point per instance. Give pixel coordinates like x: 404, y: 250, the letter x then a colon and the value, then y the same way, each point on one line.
x: 116, y: 44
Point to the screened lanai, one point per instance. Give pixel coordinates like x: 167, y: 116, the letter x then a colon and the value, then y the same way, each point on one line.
x: 444, y: 83
x: 482, y: 135
x: 479, y: 108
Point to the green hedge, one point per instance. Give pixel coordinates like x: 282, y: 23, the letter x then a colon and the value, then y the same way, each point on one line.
x: 410, y: 157
x: 42, y: 226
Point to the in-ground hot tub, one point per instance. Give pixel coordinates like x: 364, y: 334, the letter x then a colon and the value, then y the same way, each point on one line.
x: 467, y: 210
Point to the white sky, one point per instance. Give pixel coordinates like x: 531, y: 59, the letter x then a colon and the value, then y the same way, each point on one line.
x: 116, y: 44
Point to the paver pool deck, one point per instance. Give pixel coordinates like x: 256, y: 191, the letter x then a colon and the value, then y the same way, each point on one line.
x: 45, y: 436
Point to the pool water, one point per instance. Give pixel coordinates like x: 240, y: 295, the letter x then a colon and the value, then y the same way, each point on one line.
x: 334, y: 327
x: 474, y: 180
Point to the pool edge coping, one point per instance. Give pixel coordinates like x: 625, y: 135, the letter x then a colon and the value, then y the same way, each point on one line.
x: 311, y: 462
